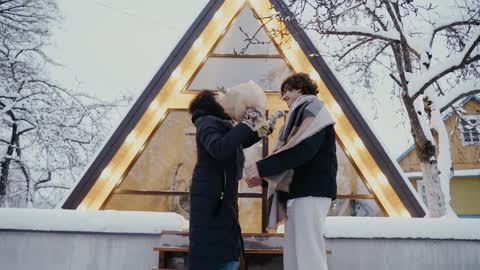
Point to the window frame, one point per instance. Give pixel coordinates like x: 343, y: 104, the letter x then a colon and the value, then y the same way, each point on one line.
x: 472, y: 133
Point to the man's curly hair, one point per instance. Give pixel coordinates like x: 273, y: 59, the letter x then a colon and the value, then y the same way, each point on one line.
x: 300, y: 81
x: 207, y: 102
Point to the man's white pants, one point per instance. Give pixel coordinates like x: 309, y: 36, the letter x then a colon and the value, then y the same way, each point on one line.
x: 304, y: 247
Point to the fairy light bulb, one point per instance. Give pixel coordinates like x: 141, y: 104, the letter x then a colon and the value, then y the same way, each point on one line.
x: 131, y: 138
x: 358, y: 143
x: 154, y: 105
x: 314, y: 76
x: 106, y: 173
x: 218, y: 15
x: 197, y: 44
x: 335, y: 109
x: 176, y: 73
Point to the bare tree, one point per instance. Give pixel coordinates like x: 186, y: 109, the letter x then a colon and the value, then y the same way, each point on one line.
x: 430, y: 49
x: 47, y: 132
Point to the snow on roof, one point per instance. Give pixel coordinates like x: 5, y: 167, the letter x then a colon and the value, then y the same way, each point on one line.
x: 456, y: 173
x: 153, y: 223
x: 107, y: 221
x: 449, y: 112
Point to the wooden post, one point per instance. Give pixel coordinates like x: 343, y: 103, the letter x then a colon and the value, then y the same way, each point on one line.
x: 162, y: 260
x: 242, y: 262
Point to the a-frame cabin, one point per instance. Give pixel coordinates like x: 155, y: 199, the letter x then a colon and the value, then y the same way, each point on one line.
x: 147, y: 163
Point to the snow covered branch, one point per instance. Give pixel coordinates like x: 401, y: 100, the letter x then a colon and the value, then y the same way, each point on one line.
x: 454, y: 23
x: 419, y: 85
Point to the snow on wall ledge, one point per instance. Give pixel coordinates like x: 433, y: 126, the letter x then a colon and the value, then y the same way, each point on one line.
x: 414, y: 228
x: 90, y: 221
x: 154, y: 222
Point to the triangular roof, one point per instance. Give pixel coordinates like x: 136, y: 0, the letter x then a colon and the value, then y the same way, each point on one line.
x: 166, y: 92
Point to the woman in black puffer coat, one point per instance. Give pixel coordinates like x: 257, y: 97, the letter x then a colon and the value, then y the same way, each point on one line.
x: 215, y: 236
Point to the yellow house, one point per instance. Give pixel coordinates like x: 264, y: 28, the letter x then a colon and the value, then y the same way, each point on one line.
x: 465, y: 147
x: 147, y: 163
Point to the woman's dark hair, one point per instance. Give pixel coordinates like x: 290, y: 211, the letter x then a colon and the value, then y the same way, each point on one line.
x: 300, y: 81
x: 206, y: 102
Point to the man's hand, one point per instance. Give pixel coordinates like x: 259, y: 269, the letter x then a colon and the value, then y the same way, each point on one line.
x: 252, y: 176
x: 253, y: 182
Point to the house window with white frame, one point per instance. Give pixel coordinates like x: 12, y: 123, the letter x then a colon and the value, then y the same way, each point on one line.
x: 469, y: 126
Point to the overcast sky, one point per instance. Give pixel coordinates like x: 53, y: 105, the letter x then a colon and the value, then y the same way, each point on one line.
x: 108, y: 48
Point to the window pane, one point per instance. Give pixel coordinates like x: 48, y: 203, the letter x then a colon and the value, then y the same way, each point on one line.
x: 158, y: 203
x: 355, y: 208
x: 250, y: 214
x: 467, y: 136
x: 241, y: 31
x: 227, y: 72
x: 166, y: 163
x: 252, y: 154
x: 348, y: 180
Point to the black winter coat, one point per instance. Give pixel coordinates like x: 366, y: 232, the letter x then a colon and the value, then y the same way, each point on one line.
x: 215, y: 235
x: 314, y: 162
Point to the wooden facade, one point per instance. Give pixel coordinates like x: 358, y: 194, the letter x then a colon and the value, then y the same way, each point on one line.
x: 465, y: 185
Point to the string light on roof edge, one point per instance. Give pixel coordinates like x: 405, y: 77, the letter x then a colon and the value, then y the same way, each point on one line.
x: 314, y: 75
x: 358, y: 142
x: 335, y: 108
x: 382, y: 179
x: 106, y: 173
x: 198, y: 43
x: 373, y: 184
x: 294, y: 45
x: 131, y: 138
x: 200, y: 56
x: 154, y: 105
x: 218, y: 14
x: 220, y: 28
x: 405, y: 213
x: 176, y: 73
x: 290, y: 56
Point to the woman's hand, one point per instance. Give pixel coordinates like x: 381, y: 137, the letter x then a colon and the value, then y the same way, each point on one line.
x: 267, y: 127
x: 252, y: 117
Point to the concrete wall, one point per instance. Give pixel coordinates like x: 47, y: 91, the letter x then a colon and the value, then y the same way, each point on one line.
x: 76, y: 251
x: 40, y: 250
x: 401, y: 254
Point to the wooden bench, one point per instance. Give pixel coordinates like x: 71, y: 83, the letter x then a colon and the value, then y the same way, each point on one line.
x: 269, y: 245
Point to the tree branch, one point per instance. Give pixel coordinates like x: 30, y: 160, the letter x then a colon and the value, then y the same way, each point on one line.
x: 362, y: 42
x: 462, y: 60
x: 381, y: 35
x: 457, y: 98
x: 453, y: 24
x: 443, y: 73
